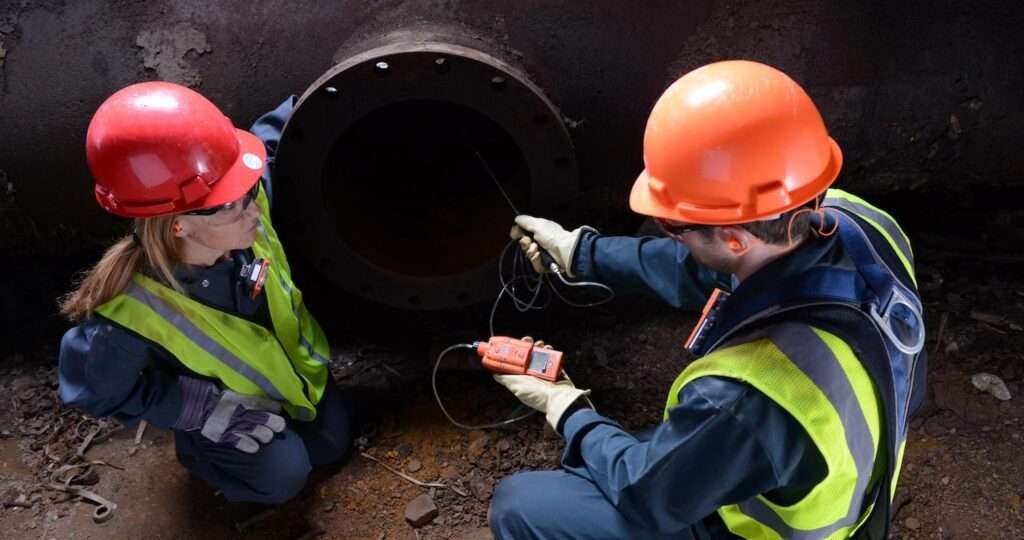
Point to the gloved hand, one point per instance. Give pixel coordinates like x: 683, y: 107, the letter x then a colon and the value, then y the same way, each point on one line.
x: 228, y: 417
x: 550, y: 398
x: 532, y: 232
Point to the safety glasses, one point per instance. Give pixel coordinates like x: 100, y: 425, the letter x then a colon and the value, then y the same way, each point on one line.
x: 242, y: 204
x: 676, y: 229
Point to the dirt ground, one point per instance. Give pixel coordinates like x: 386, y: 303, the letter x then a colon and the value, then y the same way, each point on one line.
x: 961, y: 479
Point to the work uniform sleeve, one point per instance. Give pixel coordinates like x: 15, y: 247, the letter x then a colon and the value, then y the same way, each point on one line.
x: 723, y: 443
x: 107, y: 371
x: 661, y: 268
x: 268, y: 129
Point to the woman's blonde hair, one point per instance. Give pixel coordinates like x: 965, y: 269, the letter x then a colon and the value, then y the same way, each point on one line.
x: 152, y: 250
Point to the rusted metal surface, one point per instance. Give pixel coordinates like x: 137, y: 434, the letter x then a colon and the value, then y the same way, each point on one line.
x: 922, y: 98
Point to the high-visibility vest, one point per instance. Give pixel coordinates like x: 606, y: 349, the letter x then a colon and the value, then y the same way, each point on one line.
x: 854, y: 408
x: 286, y: 363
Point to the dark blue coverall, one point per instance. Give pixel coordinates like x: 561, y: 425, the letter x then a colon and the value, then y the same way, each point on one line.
x: 723, y: 443
x: 108, y: 370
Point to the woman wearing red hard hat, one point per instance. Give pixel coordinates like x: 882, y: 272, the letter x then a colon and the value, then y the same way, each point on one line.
x: 192, y: 322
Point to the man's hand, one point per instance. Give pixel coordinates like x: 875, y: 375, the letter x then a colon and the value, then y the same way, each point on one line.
x: 244, y: 422
x: 535, y: 234
x: 550, y: 398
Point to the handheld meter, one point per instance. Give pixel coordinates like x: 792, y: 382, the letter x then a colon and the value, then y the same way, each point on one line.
x: 519, y: 357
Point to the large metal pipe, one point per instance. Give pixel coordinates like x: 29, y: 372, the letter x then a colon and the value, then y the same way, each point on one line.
x: 395, y: 165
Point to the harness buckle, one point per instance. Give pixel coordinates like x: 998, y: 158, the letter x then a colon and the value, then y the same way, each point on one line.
x: 899, y: 318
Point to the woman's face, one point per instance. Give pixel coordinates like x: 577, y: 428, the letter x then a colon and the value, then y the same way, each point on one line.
x: 233, y: 226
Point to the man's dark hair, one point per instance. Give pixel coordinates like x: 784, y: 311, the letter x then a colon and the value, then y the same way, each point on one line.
x: 777, y: 231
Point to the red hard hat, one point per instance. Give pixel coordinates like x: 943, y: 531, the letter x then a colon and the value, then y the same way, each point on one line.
x: 158, y: 148
x: 733, y: 142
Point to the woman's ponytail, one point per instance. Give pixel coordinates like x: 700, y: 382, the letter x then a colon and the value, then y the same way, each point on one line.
x: 152, y: 250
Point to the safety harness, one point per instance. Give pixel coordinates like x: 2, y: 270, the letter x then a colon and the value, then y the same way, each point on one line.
x: 870, y: 306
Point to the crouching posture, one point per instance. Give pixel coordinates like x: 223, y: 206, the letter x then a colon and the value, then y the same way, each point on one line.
x: 792, y: 421
x: 192, y: 322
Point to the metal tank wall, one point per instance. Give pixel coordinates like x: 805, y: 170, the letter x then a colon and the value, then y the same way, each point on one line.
x: 916, y: 92
x: 922, y: 96
x: 601, y: 63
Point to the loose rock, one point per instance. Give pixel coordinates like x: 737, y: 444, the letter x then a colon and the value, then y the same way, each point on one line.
x: 481, y: 488
x: 477, y: 446
x: 987, y: 382
x: 420, y: 511
x: 413, y: 465
x: 912, y: 523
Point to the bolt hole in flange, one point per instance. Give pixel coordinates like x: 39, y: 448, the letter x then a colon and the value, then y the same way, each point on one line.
x: 388, y: 159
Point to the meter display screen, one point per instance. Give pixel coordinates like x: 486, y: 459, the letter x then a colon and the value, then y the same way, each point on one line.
x: 539, y: 360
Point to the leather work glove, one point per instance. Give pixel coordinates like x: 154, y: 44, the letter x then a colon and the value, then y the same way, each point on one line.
x: 535, y: 233
x: 227, y: 417
x: 550, y: 398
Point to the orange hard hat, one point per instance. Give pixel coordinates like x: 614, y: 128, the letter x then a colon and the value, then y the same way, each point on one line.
x: 733, y: 142
x: 158, y: 148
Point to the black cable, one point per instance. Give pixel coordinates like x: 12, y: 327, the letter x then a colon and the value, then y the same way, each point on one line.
x: 523, y: 271
x: 437, y: 396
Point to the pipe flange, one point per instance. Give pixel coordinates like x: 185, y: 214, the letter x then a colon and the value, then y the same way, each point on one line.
x: 424, y: 234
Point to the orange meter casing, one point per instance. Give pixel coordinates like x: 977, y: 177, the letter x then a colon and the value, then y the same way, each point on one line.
x: 707, y: 319
x: 520, y: 357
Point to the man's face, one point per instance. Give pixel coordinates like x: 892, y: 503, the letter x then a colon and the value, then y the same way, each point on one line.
x: 708, y: 249
x: 707, y: 244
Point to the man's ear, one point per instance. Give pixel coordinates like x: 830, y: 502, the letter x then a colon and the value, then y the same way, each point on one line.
x: 737, y: 239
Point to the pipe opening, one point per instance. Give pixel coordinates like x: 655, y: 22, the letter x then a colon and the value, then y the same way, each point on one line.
x: 407, y: 192
x: 387, y: 177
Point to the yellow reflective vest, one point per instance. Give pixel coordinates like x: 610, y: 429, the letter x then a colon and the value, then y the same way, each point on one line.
x: 286, y: 363
x: 818, y: 378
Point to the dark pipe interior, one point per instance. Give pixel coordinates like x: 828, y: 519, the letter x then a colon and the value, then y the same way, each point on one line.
x: 408, y: 193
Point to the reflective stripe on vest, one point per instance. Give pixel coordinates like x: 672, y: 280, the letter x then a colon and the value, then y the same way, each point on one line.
x: 293, y: 323
x: 307, y: 324
x: 880, y: 220
x: 287, y: 364
x: 243, y: 355
x: 817, y: 379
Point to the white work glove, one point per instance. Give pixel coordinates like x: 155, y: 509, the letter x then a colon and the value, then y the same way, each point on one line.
x: 550, y: 398
x: 535, y: 233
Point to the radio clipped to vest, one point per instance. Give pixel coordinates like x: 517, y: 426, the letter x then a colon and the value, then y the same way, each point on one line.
x: 707, y: 320
x: 254, y: 275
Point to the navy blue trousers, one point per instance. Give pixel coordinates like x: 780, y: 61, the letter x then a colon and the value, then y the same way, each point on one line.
x: 557, y: 504
x: 278, y: 471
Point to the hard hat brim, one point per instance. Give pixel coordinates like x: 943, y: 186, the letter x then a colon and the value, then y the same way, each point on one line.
x: 642, y: 199
x: 243, y: 174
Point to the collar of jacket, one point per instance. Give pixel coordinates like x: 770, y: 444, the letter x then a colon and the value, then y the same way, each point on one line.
x: 817, y: 250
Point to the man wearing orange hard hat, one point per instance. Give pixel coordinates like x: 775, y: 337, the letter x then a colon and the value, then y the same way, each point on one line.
x: 792, y: 422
